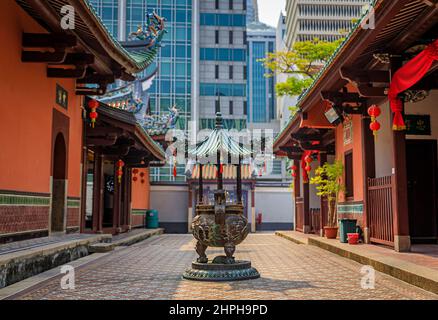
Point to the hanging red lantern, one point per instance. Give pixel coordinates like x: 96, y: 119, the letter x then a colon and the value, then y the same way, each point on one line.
x: 374, y: 111
x: 375, y: 126
x: 308, y: 168
x: 294, y: 171
x: 93, y: 105
x: 120, y: 165
x: 308, y: 159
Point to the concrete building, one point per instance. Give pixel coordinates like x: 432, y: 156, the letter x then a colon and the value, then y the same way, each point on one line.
x: 326, y: 20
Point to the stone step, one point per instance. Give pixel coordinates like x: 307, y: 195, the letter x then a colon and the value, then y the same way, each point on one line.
x: 101, y: 247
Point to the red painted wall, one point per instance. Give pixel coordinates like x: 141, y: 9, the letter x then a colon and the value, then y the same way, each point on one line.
x: 140, y: 196
x: 356, y: 147
x: 27, y: 100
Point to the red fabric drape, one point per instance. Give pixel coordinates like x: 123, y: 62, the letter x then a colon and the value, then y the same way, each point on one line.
x: 406, y: 77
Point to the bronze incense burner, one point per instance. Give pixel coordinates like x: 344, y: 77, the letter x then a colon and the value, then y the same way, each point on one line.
x: 221, y: 224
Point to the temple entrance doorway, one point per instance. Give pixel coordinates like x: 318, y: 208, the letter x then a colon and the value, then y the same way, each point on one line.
x: 421, y: 161
x: 59, y: 186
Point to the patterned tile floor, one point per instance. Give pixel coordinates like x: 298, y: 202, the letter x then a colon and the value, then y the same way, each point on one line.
x: 152, y: 270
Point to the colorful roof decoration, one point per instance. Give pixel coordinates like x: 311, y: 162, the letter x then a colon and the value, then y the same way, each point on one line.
x: 219, y: 140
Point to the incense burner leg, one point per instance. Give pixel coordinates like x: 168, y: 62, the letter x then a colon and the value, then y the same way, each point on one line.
x: 229, y: 252
x: 200, y: 250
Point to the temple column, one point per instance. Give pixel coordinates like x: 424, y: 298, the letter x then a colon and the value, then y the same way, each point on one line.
x: 369, y: 167
x: 306, y: 199
x: 297, y: 191
x: 323, y: 200
x: 402, y: 239
x: 253, y: 212
x: 190, y: 210
x: 98, y: 193
x: 117, y: 202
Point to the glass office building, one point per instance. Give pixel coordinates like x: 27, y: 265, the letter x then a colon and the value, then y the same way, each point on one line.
x: 172, y: 85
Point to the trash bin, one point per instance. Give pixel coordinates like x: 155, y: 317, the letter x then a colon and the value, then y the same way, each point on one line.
x: 346, y: 226
x: 152, y: 219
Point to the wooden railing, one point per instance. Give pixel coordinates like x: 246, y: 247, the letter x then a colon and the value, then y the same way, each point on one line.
x: 380, y: 213
x: 299, y: 206
x: 315, y: 221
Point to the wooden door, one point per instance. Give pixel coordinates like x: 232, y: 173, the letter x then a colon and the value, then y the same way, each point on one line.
x: 421, y: 161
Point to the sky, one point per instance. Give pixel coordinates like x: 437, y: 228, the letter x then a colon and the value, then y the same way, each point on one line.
x: 269, y: 11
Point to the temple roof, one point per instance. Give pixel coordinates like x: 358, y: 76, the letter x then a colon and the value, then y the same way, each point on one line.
x: 112, y: 58
x: 219, y: 140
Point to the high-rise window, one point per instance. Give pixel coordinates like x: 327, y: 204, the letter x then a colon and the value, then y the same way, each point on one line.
x: 231, y: 107
x: 230, y: 5
x: 245, y: 108
x: 231, y: 72
x: 217, y: 5
x: 216, y: 71
x: 216, y: 35
x: 244, y: 38
x: 231, y: 37
x: 245, y: 72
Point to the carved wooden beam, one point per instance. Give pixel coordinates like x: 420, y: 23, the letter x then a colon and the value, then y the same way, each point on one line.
x: 341, y: 97
x: 306, y: 137
x: 76, y: 73
x: 78, y: 59
x: 43, y: 57
x: 48, y: 40
x: 84, y: 91
x: 101, y: 142
x: 365, y: 76
x: 104, y: 131
x: 96, y: 78
x: 372, y: 92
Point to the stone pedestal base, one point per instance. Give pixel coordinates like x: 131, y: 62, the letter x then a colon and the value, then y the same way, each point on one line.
x: 240, y: 270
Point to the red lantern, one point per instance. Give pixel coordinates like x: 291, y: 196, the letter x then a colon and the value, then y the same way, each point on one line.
x: 374, y: 111
x: 375, y: 126
x: 93, y: 105
x: 308, y: 168
x: 308, y: 159
x: 120, y: 164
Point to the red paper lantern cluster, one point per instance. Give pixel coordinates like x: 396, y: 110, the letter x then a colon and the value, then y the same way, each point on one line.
x: 120, y: 165
x: 294, y: 171
x: 374, y: 111
x: 93, y: 105
x: 308, y: 159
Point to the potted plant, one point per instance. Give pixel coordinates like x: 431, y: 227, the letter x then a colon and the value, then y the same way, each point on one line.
x: 328, y: 183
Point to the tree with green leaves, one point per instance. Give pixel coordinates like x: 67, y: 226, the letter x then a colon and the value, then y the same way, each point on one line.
x: 328, y: 183
x: 304, y: 61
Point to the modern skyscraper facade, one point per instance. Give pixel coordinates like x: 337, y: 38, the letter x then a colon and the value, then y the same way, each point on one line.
x: 222, y: 69
x: 261, y: 89
x: 172, y: 85
x: 252, y: 11
x: 326, y: 20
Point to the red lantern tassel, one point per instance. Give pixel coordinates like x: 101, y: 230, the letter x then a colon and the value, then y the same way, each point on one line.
x: 398, y: 123
x: 174, y: 171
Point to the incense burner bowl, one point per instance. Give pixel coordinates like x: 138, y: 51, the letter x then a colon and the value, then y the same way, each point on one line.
x: 219, y: 225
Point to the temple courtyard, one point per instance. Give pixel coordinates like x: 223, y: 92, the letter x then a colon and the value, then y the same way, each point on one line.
x: 152, y: 269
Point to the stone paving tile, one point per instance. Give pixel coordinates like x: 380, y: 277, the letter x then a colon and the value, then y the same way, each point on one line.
x: 152, y: 270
